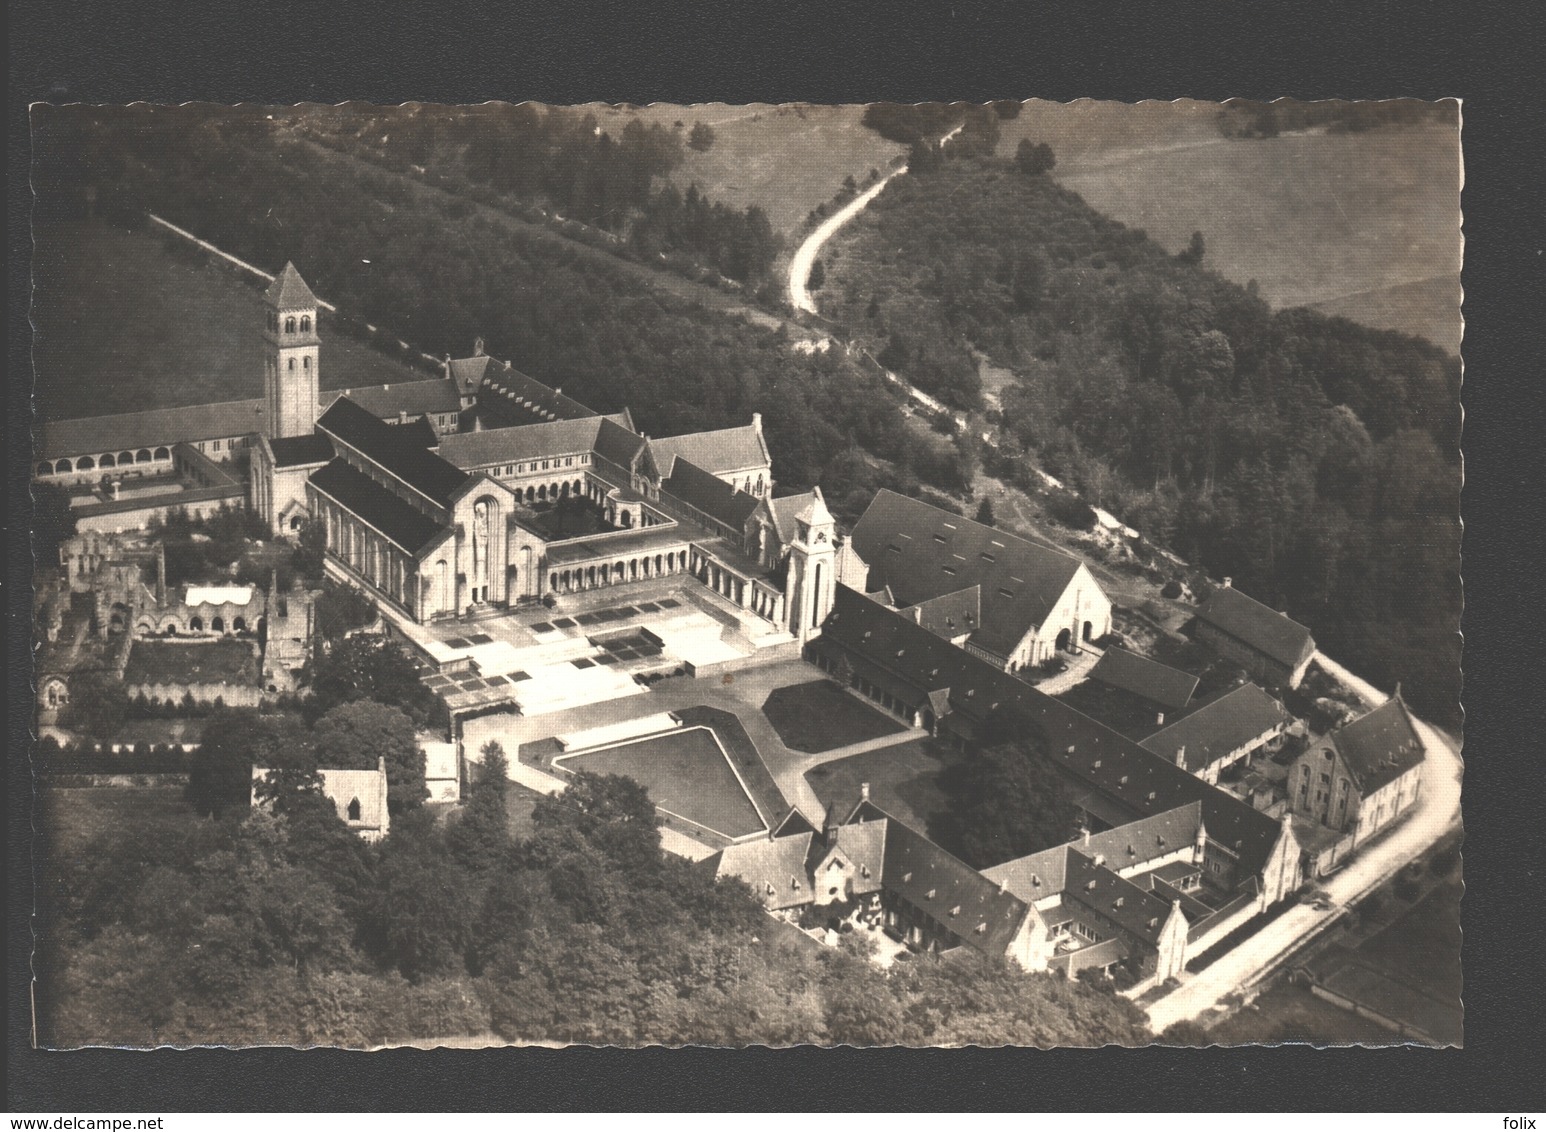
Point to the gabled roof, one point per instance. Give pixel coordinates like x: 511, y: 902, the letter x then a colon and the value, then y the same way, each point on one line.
x: 432, y: 476
x: 468, y: 373
x: 922, y: 552
x: 617, y: 443
x: 1218, y: 727
x: 417, y: 432
x: 507, y: 391
x: 520, y: 442
x: 433, y: 395
x: 775, y: 868
x: 1147, y: 838
x: 1035, y: 876
x: 956, y: 895
x: 88, y: 436
x: 721, y: 451
x: 388, y: 513
x: 1088, y: 751
x: 300, y: 451
x: 1379, y: 747
x: 709, y: 494
x: 1260, y: 626
x: 957, y: 614
x: 784, y: 510
x: 1156, y: 682
x: 1103, y: 892
x: 288, y: 291
x: 861, y: 845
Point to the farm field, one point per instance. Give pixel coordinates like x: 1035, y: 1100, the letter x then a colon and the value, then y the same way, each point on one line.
x: 1360, y: 225
x: 685, y: 772
x: 124, y: 324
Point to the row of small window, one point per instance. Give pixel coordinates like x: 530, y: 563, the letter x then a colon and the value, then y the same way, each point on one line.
x: 520, y: 469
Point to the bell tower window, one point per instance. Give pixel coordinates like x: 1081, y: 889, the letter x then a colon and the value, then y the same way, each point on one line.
x: 290, y: 325
x: 305, y: 323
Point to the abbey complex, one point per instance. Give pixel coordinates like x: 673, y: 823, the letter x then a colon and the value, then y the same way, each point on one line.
x: 596, y: 599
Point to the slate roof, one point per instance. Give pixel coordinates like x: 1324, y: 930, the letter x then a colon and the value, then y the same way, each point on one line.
x: 288, y: 291
x: 1103, y: 892
x: 390, y: 514
x: 1033, y: 877
x: 433, y: 395
x: 1219, y: 727
x: 468, y: 373
x: 784, y: 510
x: 299, y: 451
x: 1260, y: 626
x: 951, y: 615
x: 951, y: 891
x: 520, y: 443
x: 422, y: 470
x: 1089, y: 752
x: 417, y: 432
x: 719, y: 451
x: 862, y: 845
x: 1156, y: 682
x: 618, y: 443
x: 507, y: 389
x: 152, y: 428
x: 1147, y: 838
x: 709, y: 494
x: 1379, y: 747
x: 921, y: 552
x: 769, y: 864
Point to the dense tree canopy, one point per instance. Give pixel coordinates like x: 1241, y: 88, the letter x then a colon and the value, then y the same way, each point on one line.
x: 367, y: 666
x: 355, y: 735
x: 1006, y: 802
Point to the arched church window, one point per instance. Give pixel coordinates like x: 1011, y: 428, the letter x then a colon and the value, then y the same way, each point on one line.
x: 354, y: 809
x: 305, y: 323
x: 290, y: 326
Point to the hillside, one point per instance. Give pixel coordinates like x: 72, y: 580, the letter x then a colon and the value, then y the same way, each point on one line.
x: 1312, y: 459
x: 126, y: 320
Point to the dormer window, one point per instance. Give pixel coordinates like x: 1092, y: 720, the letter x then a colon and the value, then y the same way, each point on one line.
x: 1153, y: 922
x: 1123, y: 780
x: 907, y: 878
x: 1095, y: 764
x: 929, y: 895
x: 956, y: 911
x: 1119, y: 901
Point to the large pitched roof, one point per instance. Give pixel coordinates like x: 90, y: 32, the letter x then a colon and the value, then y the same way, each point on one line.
x: 1035, y: 876
x: 288, y: 291
x: 432, y: 395
x: 505, y: 390
x: 151, y: 428
x: 617, y: 442
x: 1147, y: 838
x: 1159, y: 683
x: 429, y: 474
x: 956, y: 614
x: 388, y: 513
x: 1263, y: 628
x: 977, y: 693
x: 709, y: 494
x: 1379, y: 747
x: 1218, y: 727
x: 774, y: 867
x: 921, y: 552
x: 520, y: 442
x: 956, y: 895
x: 298, y: 451
x: 1103, y: 892
x: 784, y: 510
x: 720, y: 451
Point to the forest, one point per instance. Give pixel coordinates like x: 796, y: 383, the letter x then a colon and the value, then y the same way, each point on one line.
x: 1312, y: 459
x: 277, y: 925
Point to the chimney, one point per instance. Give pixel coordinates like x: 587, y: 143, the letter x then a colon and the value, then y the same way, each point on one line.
x: 757, y: 421
x: 1181, y: 756
x: 1228, y: 582
x: 1084, y: 832
x: 1159, y: 719
x: 161, y: 573
x: 864, y: 791
x: 477, y: 346
x: 446, y: 366
x: 1396, y: 695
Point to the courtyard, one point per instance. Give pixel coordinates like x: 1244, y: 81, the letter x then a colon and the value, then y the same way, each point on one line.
x: 820, y: 716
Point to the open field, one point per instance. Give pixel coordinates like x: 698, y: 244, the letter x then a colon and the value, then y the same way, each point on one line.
x: 1360, y: 225
x: 820, y: 716
x: 784, y: 159
x: 685, y: 772
x: 1288, y: 1012
x: 124, y: 324
x: 904, y: 780
x: 74, y: 818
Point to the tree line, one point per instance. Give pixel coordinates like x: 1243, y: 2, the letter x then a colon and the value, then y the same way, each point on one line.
x: 1313, y: 459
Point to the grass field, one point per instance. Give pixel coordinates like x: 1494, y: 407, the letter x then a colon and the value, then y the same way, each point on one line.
x: 904, y: 780
x: 820, y: 716
x: 785, y: 160
x: 686, y: 773
x: 124, y: 324
x: 1288, y: 1012
x: 74, y: 818
x: 1422, y: 948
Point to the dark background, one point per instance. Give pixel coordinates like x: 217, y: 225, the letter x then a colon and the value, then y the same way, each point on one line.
x: 474, y: 50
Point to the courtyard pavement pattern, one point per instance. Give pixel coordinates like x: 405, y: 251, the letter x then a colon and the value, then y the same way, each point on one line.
x: 1437, y: 812
x: 741, y: 693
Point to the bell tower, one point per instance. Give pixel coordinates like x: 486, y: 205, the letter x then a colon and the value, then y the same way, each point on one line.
x: 291, y: 355
x: 812, y: 568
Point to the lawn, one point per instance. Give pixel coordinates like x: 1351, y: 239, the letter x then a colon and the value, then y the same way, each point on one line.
x: 124, y: 324
x: 1288, y: 1012
x: 1422, y: 948
x: 686, y: 773
x: 72, y: 819
x: 819, y: 716
x: 904, y: 780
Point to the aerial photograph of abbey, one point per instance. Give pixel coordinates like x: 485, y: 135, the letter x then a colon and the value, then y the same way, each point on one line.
x: 915, y: 575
